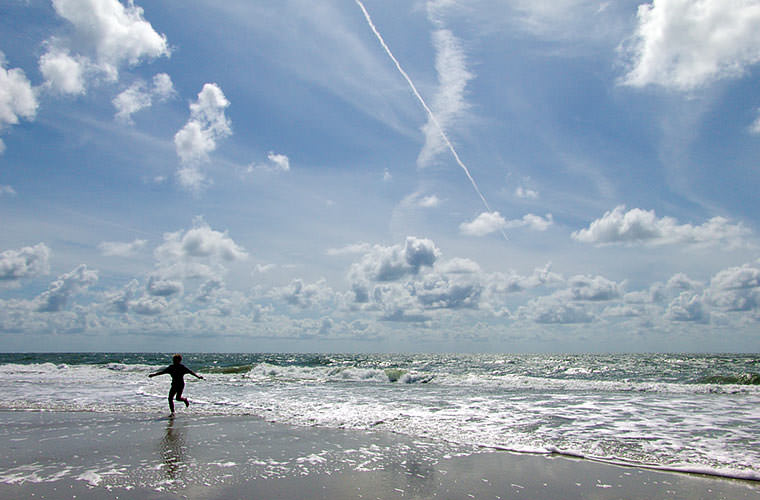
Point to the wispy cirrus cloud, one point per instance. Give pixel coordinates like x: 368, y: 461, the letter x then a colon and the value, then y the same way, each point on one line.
x: 121, y: 249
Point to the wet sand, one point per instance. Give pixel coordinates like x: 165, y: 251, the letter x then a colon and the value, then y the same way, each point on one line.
x: 138, y: 456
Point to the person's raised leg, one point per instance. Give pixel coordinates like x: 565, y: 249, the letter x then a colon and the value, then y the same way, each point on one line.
x: 180, y: 398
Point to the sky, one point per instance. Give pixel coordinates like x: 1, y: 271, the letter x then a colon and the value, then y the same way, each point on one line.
x: 380, y: 176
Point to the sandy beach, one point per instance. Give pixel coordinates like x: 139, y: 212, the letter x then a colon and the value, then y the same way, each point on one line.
x: 104, y: 455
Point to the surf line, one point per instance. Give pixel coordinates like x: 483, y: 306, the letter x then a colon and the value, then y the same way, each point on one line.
x: 427, y: 109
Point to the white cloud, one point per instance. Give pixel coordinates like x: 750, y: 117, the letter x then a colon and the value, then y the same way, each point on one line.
x: 596, y: 288
x: 200, y: 242
x: 279, y: 161
x: 552, y: 310
x: 736, y: 278
x: 191, y: 177
x: 121, y: 249
x: 275, y: 163
x: 160, y: 287
x: 684, y: 44
x: 60, y: 291
x: 431, y: 201
x: 265, y: 268
x: 394, y: 262
x: 163, y: 87
x: 638, y: 226
x: 17, y: 97
x: 448, y: 103
x: 7, y: 190
x: 138, y: 96
x: 115, y: 34
x: 755, y: 127
x: 490, y: 222
x: 485, y: 223
x: 24, y: 263
x: 302, y: 295
x: 442, y: 291
x: 206, y: 126
x: 63, y: 73
x: 526, y: 193
x: 736, y: 288
x: 354, y: 248
x: 387, y: 177
x: 150, y: 306
x: 535, y: 222
x: 132, y: 100
x: 687, y: 307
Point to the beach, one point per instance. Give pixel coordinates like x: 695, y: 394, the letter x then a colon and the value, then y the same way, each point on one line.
x: 142, y: 455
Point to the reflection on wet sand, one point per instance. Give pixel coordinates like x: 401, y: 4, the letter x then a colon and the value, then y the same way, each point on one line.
x: 173, y: 451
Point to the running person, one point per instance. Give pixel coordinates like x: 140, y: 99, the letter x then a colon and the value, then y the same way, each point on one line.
x: 177, y: 370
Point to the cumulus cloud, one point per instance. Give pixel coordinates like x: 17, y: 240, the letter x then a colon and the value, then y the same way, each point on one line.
x: 449, y: 102
x: 60, y: 291
x: 491, y: 222
x: 391, y: 263
x: 109, y: 35
x: 119, y: 301
x: 303, y: 295
x: 160, y: 287
x: 199, y: 136
x: 687, y: 307
x: 63, y: 73
x: 150, y: 306
x: 442, y: 291
x: 24, y: 263
x: 683, y: 44
x: 139, y: 96
x: 736, y: 288
x: 200, y: 242
x: 121, y: 249
x: 638, y: 226
x: 593, y: 288
x: 17, y: 97
x: 552, y: 310
x: 485, y: 223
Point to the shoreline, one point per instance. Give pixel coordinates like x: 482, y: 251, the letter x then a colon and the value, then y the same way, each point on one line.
x: 51, y: 454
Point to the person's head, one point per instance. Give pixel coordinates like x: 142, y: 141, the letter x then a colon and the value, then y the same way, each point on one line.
x: 177, y: 359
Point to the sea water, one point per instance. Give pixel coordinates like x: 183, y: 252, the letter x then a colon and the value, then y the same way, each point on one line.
x: 689, y: 412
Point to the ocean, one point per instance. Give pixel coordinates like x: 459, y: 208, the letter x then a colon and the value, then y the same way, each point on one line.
x: 686, y: 412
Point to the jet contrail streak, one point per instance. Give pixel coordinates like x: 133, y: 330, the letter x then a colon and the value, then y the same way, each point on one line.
x: 424, y: 105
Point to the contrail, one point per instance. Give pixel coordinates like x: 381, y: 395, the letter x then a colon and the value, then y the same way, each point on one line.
x: 427, y: 108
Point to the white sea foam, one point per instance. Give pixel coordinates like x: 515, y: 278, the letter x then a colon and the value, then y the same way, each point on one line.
x: 499, y: 403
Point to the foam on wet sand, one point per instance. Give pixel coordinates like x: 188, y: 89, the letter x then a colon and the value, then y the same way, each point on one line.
x: 137, y: 455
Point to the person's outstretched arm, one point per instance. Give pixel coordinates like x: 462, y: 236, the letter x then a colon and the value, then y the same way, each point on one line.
x: 191, y: 372
x: 160, y: 372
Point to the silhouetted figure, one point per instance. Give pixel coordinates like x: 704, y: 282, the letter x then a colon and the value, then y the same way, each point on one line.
x: 177, y: 370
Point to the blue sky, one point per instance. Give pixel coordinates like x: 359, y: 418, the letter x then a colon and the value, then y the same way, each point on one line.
x: 263, y: 176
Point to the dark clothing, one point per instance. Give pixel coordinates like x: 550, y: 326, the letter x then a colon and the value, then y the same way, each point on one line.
x: 177, y: 371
